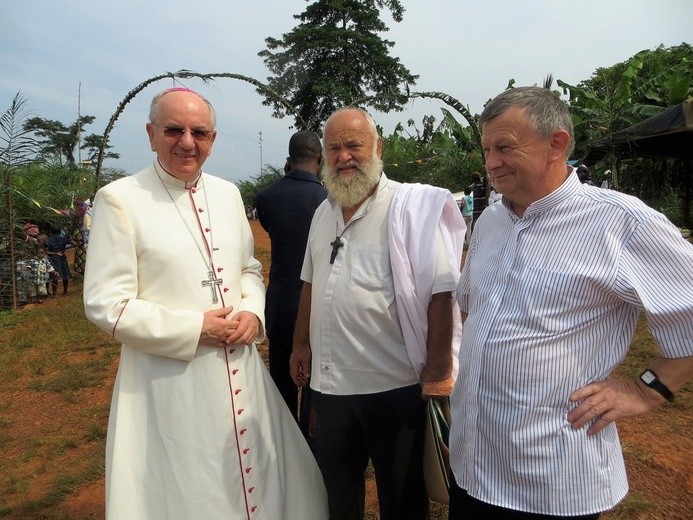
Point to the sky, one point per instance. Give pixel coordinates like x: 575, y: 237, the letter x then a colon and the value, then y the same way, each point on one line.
x: 70, y: 57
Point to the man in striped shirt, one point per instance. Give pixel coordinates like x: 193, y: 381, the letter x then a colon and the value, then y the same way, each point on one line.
x: 551, y: 290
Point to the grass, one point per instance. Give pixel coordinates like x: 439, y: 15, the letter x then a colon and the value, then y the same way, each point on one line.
x: 52, y: 433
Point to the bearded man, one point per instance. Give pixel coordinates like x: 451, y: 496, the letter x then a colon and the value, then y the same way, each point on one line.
x: 376, y: 320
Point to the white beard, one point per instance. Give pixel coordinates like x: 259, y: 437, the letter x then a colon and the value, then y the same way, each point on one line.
x: 352, y: 191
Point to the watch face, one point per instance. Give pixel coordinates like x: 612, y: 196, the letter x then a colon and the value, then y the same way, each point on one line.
x: 647, y: 377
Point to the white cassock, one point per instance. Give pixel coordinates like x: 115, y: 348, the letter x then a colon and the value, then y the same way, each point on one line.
x: 195, y: 432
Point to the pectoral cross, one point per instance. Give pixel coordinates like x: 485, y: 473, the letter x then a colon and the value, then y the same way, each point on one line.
x: 212, y: 282
x: 335, y: 247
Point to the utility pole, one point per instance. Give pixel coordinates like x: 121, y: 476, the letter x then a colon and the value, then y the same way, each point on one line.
x: 79, y: 125
x: 260, y: 152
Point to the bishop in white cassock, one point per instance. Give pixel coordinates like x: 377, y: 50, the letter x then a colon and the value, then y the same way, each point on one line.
x: 197, y: 429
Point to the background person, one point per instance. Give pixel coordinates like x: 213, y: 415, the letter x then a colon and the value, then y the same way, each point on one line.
x: 197, y: 429
x: 31, y: 233
x: 550, y: 292
x: 56, y: 245
x: 285, y: 210
x: 606, y: 180
x: 468, y: 213
x: 481, y: 191
x: 41, y: 273
x: 583, y: 174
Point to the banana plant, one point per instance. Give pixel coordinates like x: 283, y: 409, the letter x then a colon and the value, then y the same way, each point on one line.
x: 629, y: 98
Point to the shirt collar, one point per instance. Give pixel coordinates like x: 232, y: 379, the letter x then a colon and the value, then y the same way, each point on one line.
x: 570, y: 187
x: 303, y: 175
x: 170, y: 180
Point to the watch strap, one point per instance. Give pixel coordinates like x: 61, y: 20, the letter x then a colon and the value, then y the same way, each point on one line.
x: 656, y: 384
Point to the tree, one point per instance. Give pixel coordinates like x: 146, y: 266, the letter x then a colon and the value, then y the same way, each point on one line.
x: 249, y: 189
x: 60, y: 142
x: 618, y: 96
x: 17, y: 151
x: 441, y: 154
x: 333, y: 58
x: 91, y: 145
x: 19, y: 147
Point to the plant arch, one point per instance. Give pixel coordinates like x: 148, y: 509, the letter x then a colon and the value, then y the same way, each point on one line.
x: 448, y: 100
x: 185, y: 74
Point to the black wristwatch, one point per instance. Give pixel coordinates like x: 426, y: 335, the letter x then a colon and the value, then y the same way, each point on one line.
x: 650, y: 379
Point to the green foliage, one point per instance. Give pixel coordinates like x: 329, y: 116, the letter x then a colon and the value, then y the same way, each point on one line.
x: 618, y: 96
x: 40, y: 187
x: 250, y: 188
x: 59, y: 142
x: 473, y: 134
x: 443, y: 154
x: 18, y: 146
x: 335, y: 57
x: 110, y: 175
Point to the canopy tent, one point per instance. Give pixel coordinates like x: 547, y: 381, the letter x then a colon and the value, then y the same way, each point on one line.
x: 668, y: 134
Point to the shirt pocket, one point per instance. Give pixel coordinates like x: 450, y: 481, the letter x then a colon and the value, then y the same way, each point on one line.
x: 372, y: 267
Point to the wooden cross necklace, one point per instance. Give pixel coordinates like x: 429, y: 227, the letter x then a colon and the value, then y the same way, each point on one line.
x: 212, y: 282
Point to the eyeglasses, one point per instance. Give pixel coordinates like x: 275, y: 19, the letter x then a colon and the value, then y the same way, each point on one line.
x: 176, y: 132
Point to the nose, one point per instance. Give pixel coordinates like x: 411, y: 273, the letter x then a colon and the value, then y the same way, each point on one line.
x: 492, y: 161
x: 344, y: 156
x: 186, y: 140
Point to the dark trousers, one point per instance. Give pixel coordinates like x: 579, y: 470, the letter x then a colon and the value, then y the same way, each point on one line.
x: 465, y: 507
x: 388, y: 428
x: 279, y: 354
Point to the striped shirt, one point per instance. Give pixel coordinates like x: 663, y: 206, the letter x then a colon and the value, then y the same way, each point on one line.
x: 552, y: 301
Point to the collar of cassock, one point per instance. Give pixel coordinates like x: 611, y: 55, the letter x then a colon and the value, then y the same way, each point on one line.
x: 169, y: 179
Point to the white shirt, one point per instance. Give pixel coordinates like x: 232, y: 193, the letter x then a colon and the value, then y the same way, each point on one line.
x: 552, y: 302
x: 355, y: 336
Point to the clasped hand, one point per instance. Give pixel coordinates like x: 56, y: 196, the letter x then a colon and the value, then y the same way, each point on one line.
x: 220, y: 330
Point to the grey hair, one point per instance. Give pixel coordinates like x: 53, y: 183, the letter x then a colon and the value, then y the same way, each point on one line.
x: 156, y: 102
x: 369, y: 118
x: 546, y: 112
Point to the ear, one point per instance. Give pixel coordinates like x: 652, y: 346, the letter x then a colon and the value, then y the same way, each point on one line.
x: 150, y: 133
x: 380, y: 147
x: 559, y: 145
x: 211, y: 142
